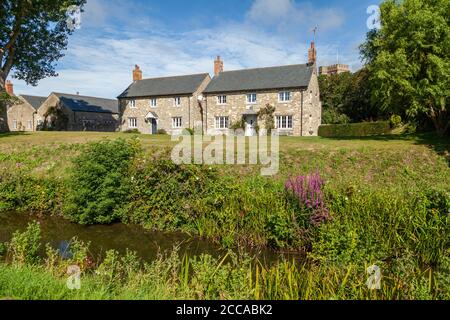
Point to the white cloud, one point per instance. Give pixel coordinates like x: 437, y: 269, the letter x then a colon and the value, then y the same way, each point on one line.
x: 101, y: 65
x: 290, y: 15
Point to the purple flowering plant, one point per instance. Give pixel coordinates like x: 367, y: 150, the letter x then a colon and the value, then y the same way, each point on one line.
x: 308, y: 191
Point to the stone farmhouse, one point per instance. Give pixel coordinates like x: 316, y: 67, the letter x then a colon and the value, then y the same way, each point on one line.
x: 168, y: 104
x: 69, y: 112
x: 22, y: 116
x: 63, y: 112
x: 172, y: 104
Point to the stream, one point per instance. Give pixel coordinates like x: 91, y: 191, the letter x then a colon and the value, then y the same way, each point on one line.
x: 147, y: 244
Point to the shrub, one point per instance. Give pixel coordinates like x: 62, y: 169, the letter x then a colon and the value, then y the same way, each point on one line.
x: 164, y: 195
x: 395, y: 121
x: 162, y: 132
x: 24, y: 246
x: 355, y: 129
x: 133, y: 131
x: 2, y: 249
x: 334, y: 117
x: 99, y: 184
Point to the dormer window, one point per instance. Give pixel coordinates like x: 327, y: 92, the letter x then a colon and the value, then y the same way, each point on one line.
x: 177, y: 101
x: 251, y: 98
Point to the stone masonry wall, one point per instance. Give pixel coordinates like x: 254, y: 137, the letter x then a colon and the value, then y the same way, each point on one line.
x: 165, y: 110
x: 306, y: 124
x: 22, y: 115
x: 79, y: 121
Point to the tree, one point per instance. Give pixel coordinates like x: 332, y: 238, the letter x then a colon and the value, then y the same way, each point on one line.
x: 346, y: 98
x: 33, y: 36
x: 409, y: 59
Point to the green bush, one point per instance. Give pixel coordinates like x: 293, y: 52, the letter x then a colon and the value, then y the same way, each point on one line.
x: 334, y: 117
x: 355, y: 129
x: 2, y: 249
x: 100, y: 184
x: 24, y: 246
x: 395, y: 121
x: 27, y: 193
x: 164, y: 195
x: 133, y: 131
x: 162, y: 132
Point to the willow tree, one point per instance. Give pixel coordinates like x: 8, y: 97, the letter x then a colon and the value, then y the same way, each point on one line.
x: 33, y: 36
x: 409, y: 59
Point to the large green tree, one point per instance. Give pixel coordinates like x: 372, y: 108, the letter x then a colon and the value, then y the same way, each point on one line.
x: 33, y: 36
x: 346, y: 98
x: 409, y: 59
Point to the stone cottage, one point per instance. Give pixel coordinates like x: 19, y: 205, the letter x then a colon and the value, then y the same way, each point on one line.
x: 168, y: 104
x: 231, y: 99
x: 22, y: 115
x: 234, y: 99
x: 69, y: 112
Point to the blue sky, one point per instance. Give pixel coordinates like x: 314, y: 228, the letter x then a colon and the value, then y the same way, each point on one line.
x: 175, y: 37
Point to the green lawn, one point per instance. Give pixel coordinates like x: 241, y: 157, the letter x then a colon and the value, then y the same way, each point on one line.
x: 388, y: 198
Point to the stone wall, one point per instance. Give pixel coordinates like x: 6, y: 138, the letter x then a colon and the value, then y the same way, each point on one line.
x: 21, y: 117
x: 304, y: 124
x: 165, y: 110
x: 78, y: 121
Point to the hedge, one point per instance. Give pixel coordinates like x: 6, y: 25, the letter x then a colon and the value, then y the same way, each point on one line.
x: 355, y: 129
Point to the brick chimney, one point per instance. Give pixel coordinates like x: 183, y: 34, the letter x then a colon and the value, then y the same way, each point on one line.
x: 312, y: 54
x: 137, y: 73
x: 9, y: 87
x: 218, y: 66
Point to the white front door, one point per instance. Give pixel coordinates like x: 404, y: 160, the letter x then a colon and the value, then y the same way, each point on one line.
x: 250, y: 125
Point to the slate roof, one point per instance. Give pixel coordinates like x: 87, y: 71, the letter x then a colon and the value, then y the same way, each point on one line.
x: 34, y: 101
x: 167, y: 86
x: 284, y: 77
x: 79, y: 103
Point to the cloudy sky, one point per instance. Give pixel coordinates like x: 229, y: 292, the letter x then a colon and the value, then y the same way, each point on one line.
x: 175, y: 37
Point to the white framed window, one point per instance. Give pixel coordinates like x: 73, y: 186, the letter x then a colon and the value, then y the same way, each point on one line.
x: 285, y: 122
x: 251, y: 98
x: 177, y: 101
x: 132, y: 123
x: 29, y: 124
x: 177, y: 122
x: 15, y: 124
x: 132, y: 104
x: 284, y: 96
x: 222, y: 99
x: 153, y: 103
x: 222, y: 122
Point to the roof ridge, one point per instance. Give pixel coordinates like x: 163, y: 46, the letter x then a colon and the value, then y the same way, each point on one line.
x: 81, y: 96
x: 179, y: 76
x: 263, y: 68
x: 32, y: 96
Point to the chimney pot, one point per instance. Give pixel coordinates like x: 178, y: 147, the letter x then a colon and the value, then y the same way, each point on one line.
x: 9, y: 87
x: 137, y: 73
x: 218, y: 66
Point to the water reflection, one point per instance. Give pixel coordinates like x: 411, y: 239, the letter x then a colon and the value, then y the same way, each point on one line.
x: 147, y: 244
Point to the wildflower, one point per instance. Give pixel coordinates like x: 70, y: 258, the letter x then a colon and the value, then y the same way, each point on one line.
x: 308, y: 190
